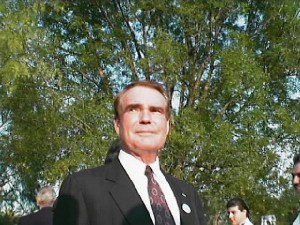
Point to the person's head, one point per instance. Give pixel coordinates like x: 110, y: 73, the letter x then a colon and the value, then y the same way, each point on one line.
x: 142, y: 114
x: 296, y: 173
x: 45, y: 197
x: 237, y: 210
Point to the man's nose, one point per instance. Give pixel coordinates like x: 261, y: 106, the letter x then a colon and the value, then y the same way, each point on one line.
x: 145, y: 116
x: 296, y: 179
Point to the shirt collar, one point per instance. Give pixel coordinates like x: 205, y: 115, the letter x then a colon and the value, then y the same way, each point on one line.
x: 136, y: 166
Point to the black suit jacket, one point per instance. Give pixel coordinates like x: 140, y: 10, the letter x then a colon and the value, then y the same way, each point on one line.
x: 106, y: 196
x: 42, y: 217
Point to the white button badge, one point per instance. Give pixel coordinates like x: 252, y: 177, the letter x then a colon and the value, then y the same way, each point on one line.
x: 186, y: 208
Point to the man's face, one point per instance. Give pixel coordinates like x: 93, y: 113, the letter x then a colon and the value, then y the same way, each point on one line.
x: 296, y: 177
x: 236, y: 216
x: 142, y: 125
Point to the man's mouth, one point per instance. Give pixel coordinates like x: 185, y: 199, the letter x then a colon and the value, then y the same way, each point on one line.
x: 144, y: 132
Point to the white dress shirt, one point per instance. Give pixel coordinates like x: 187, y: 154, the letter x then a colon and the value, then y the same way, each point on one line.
x: 297, y: 220
x: 136, y: 172
x: 247, y: 222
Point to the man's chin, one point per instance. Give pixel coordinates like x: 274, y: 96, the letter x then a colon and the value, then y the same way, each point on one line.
x: 147, y: 146
x: 149, y: 149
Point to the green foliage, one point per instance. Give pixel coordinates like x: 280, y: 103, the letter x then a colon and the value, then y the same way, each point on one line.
x: 231, y: 68
x: 6, y: 219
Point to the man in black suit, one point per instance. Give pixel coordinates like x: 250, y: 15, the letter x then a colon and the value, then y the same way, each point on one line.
x: 119, y: 192
x: 44, y: 199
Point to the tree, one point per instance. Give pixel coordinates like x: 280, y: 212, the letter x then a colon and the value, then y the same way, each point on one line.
x: 231, y: 67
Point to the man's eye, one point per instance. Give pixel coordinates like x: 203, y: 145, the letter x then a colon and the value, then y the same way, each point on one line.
x: 132, y: 109
x: 157, y: 110
x: 296, y: 175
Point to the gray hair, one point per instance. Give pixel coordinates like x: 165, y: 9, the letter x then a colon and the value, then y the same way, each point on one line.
x: 46, y: 196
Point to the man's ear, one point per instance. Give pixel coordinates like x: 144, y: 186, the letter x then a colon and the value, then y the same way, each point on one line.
x: 37, y: 199
x: 117, y: 125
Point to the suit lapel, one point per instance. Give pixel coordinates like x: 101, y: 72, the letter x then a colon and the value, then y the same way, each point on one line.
x: 126, y: 197
x: 183, y: 201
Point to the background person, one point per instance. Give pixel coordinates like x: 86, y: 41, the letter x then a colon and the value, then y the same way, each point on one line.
x: 113, y: 151
x: 296, y: 181
x: 119, y: 192
x: 45, y: 199
x: 238, y: 212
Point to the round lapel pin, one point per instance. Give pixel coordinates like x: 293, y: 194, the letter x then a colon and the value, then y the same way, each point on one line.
x: 186, y: 208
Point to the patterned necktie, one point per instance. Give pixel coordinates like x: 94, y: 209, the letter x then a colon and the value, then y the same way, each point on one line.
x: 158, y: 202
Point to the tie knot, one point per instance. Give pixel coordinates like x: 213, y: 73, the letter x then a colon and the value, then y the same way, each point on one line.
x: 148, y: 171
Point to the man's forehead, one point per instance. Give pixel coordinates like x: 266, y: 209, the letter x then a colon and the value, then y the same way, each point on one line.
x: 143, y: 94
x: 233, y: 208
